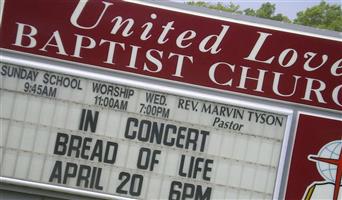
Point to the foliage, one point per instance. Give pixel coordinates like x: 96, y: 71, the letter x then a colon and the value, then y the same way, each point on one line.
x: 322, y: 16
x: 219, y: 6
x: 266, y: 10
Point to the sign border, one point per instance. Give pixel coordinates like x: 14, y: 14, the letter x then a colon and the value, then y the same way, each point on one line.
x: 145, y: 83
x: 56, y: 188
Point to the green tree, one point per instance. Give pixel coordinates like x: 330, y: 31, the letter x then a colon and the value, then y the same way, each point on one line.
x: 266, y: 10
x: 219, y: 6
x: 250, y: 12
x: 324, y: 16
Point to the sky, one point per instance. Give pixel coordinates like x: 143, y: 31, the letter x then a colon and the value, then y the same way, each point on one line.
x: 286, y: 7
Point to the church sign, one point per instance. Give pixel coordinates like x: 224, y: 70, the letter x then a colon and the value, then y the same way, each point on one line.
x: 129, y: 99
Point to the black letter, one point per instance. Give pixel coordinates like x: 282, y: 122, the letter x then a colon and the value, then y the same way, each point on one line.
x: 56, y: 172
x: 61, y: 144
x: 147, y: 152
x: 133, y: 133
x: 83, y: 177
x: 71, y: 174
x: 115, y: 149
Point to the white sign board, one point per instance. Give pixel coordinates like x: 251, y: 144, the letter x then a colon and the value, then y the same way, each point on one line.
x: 114, y: 139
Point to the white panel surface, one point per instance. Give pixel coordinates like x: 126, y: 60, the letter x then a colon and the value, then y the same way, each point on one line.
x: 91, y: 135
